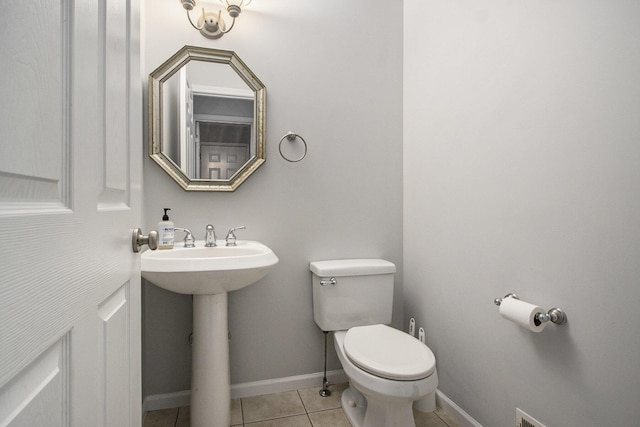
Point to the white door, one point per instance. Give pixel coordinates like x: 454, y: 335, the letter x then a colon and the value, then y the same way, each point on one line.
x: 221, y: 161
x: 70, y: 160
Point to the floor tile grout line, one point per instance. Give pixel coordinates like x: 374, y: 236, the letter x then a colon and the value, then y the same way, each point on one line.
x: 441, y: 419
x: 306, y: 411
x: 305, y: 408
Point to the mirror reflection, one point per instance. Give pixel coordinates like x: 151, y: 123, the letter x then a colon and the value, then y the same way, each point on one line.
x: 206, y: 119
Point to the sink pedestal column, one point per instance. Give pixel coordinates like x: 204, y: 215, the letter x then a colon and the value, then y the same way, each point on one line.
x: 210, y: 377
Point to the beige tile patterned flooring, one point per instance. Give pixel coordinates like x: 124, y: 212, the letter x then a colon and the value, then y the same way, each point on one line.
x: 300, y: 408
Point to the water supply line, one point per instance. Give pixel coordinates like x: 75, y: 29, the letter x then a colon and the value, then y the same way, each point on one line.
x: 325, y: 392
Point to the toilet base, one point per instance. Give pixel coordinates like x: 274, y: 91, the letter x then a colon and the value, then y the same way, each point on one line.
x: 354, y: 406
x: 379, y: 414
x: 426, y: 404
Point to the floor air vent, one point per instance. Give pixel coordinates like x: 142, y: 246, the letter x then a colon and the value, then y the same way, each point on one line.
x: 525, y: 420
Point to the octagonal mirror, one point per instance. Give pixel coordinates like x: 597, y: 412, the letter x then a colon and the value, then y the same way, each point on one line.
x: 206, y: 119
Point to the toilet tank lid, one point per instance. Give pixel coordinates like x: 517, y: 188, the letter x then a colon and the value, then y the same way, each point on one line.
x: 351, y: 267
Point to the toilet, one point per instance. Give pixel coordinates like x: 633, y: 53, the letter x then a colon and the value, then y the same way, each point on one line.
x: 388, y: 369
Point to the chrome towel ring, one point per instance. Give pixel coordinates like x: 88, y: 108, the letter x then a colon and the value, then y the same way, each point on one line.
x: 291, y: 136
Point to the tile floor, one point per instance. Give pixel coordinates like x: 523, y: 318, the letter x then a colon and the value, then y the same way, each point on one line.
x: 301, y: 408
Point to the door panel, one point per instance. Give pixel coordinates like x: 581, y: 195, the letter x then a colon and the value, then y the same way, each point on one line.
x: 113, y: 105
x: 70, y: 160
x: 114, y: 351
x: 35, y: 74
x: 40, y: 394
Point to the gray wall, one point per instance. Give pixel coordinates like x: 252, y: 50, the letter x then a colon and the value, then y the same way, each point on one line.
x: 333, y: 72
x: 522, y: 174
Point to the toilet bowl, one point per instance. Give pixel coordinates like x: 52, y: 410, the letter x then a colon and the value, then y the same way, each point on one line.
x: 388, y: 370
x: 385, y: 376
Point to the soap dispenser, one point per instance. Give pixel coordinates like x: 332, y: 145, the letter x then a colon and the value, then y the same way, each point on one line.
x: 165, y: 232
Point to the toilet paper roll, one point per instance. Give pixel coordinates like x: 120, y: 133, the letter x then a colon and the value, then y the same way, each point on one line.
x: 522, y: 313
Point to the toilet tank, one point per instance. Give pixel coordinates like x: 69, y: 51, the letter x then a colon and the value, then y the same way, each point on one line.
x: 361, y: 295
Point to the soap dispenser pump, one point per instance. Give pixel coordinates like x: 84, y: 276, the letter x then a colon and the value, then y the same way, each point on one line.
x: 165, y: 232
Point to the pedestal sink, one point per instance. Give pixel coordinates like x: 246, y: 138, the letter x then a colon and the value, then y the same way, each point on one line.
x: 209, y: 274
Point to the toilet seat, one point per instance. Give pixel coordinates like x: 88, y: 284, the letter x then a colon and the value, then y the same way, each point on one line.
x: 388, y: 353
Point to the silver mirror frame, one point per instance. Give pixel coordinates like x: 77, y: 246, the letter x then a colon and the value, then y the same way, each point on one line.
x: 168, y: 69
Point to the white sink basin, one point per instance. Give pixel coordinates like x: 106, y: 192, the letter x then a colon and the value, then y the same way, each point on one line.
x: 208, y: 271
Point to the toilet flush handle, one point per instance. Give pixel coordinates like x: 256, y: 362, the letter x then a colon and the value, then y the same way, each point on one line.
x: 331, y: 281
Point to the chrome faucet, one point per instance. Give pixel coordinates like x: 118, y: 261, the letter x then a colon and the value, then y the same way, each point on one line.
x: 231, y: 237
x: 189, y: 240
x: 210, y: 237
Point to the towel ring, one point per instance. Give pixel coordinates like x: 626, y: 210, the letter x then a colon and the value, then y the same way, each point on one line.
x: 291, y: 136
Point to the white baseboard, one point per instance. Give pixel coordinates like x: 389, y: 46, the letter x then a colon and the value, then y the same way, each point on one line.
x: 278, y: 385
x: 257, y: 388
x: 463, y: 419
x: 156, y: 402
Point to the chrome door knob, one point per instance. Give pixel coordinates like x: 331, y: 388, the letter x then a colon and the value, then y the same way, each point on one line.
x: 138, y: 240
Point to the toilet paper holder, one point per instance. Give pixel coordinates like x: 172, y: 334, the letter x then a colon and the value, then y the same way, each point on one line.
x: 555, y: 315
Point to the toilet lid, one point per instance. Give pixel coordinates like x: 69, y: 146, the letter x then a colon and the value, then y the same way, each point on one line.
x: 388, y: 353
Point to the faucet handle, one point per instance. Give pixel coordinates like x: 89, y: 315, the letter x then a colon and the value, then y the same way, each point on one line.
x: 189, y: 240
x: 231, y: 237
